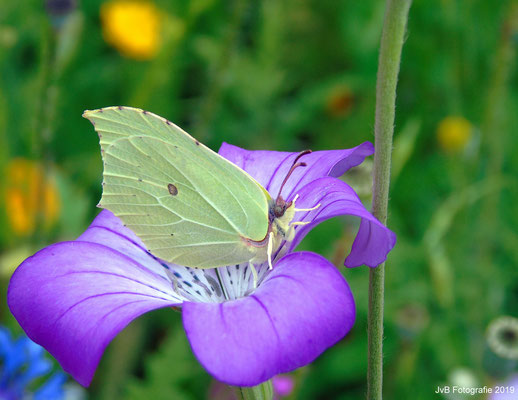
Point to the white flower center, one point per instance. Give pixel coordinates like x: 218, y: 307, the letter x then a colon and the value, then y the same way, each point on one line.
x: 214, y: 285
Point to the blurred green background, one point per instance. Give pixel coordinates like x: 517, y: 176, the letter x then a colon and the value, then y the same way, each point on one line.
x: 286, y: 75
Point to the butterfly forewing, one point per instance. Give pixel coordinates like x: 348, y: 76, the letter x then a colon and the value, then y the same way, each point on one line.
x: 189, y: 205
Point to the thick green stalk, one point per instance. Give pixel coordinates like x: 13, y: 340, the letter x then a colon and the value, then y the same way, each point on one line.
x: 392, y: 38
x: 264, y: 391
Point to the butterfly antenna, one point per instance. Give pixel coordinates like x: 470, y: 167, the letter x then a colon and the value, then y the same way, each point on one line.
x: 295, y: 165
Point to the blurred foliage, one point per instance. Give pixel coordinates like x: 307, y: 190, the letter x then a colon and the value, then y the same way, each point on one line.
x: 171, y: 373
x: 288, y: 75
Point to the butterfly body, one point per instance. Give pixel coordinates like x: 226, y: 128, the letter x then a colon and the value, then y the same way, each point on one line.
x: 189, y: 205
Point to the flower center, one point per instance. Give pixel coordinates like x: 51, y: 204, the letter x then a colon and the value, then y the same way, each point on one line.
x: 214, y: 285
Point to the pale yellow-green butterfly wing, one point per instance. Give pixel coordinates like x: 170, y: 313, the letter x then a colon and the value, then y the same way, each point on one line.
x: 189, y: 205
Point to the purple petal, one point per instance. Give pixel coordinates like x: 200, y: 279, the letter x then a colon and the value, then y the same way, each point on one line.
x: 108, y: 230
x: 269, y: 168
x: 301, y: 309
x: 74, y: 297
x: 110, y: 223
x: 510, y: 388
x: 373, y: 241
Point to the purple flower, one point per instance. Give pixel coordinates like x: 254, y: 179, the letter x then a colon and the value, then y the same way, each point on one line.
x: 507, y: 390
x: 283, y: 385
x: 74, y: 297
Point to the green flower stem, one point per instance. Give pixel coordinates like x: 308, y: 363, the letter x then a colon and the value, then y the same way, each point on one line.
x: 496, y: 130
x: 58, y: 47
x: 392, y: 38
x: 264, y: 391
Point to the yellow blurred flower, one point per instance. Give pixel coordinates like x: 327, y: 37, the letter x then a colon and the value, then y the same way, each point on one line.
x: 132, y: 27
x: 340, y: 102
x: 454, y: 133
x: 29, y: 196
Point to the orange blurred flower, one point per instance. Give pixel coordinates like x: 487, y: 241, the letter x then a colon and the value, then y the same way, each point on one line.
x: 340, y: 102
x: 454, y: 133
x: 132, y: 27
x: 29, y: 196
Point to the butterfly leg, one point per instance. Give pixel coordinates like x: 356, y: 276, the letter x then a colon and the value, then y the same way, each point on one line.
x: 270, y: 250
x: 254, y: 273
x: 308, y: 209
x: 302, y: 209
x: 290, y: 233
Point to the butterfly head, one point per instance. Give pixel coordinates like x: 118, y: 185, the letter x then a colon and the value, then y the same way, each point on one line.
x: 279, y: 206
x: 281, y: 225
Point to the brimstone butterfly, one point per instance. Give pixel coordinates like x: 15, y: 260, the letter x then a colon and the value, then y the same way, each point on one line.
x: 189, y: 205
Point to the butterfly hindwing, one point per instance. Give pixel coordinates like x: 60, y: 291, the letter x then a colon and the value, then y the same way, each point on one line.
x: 189, y: 205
